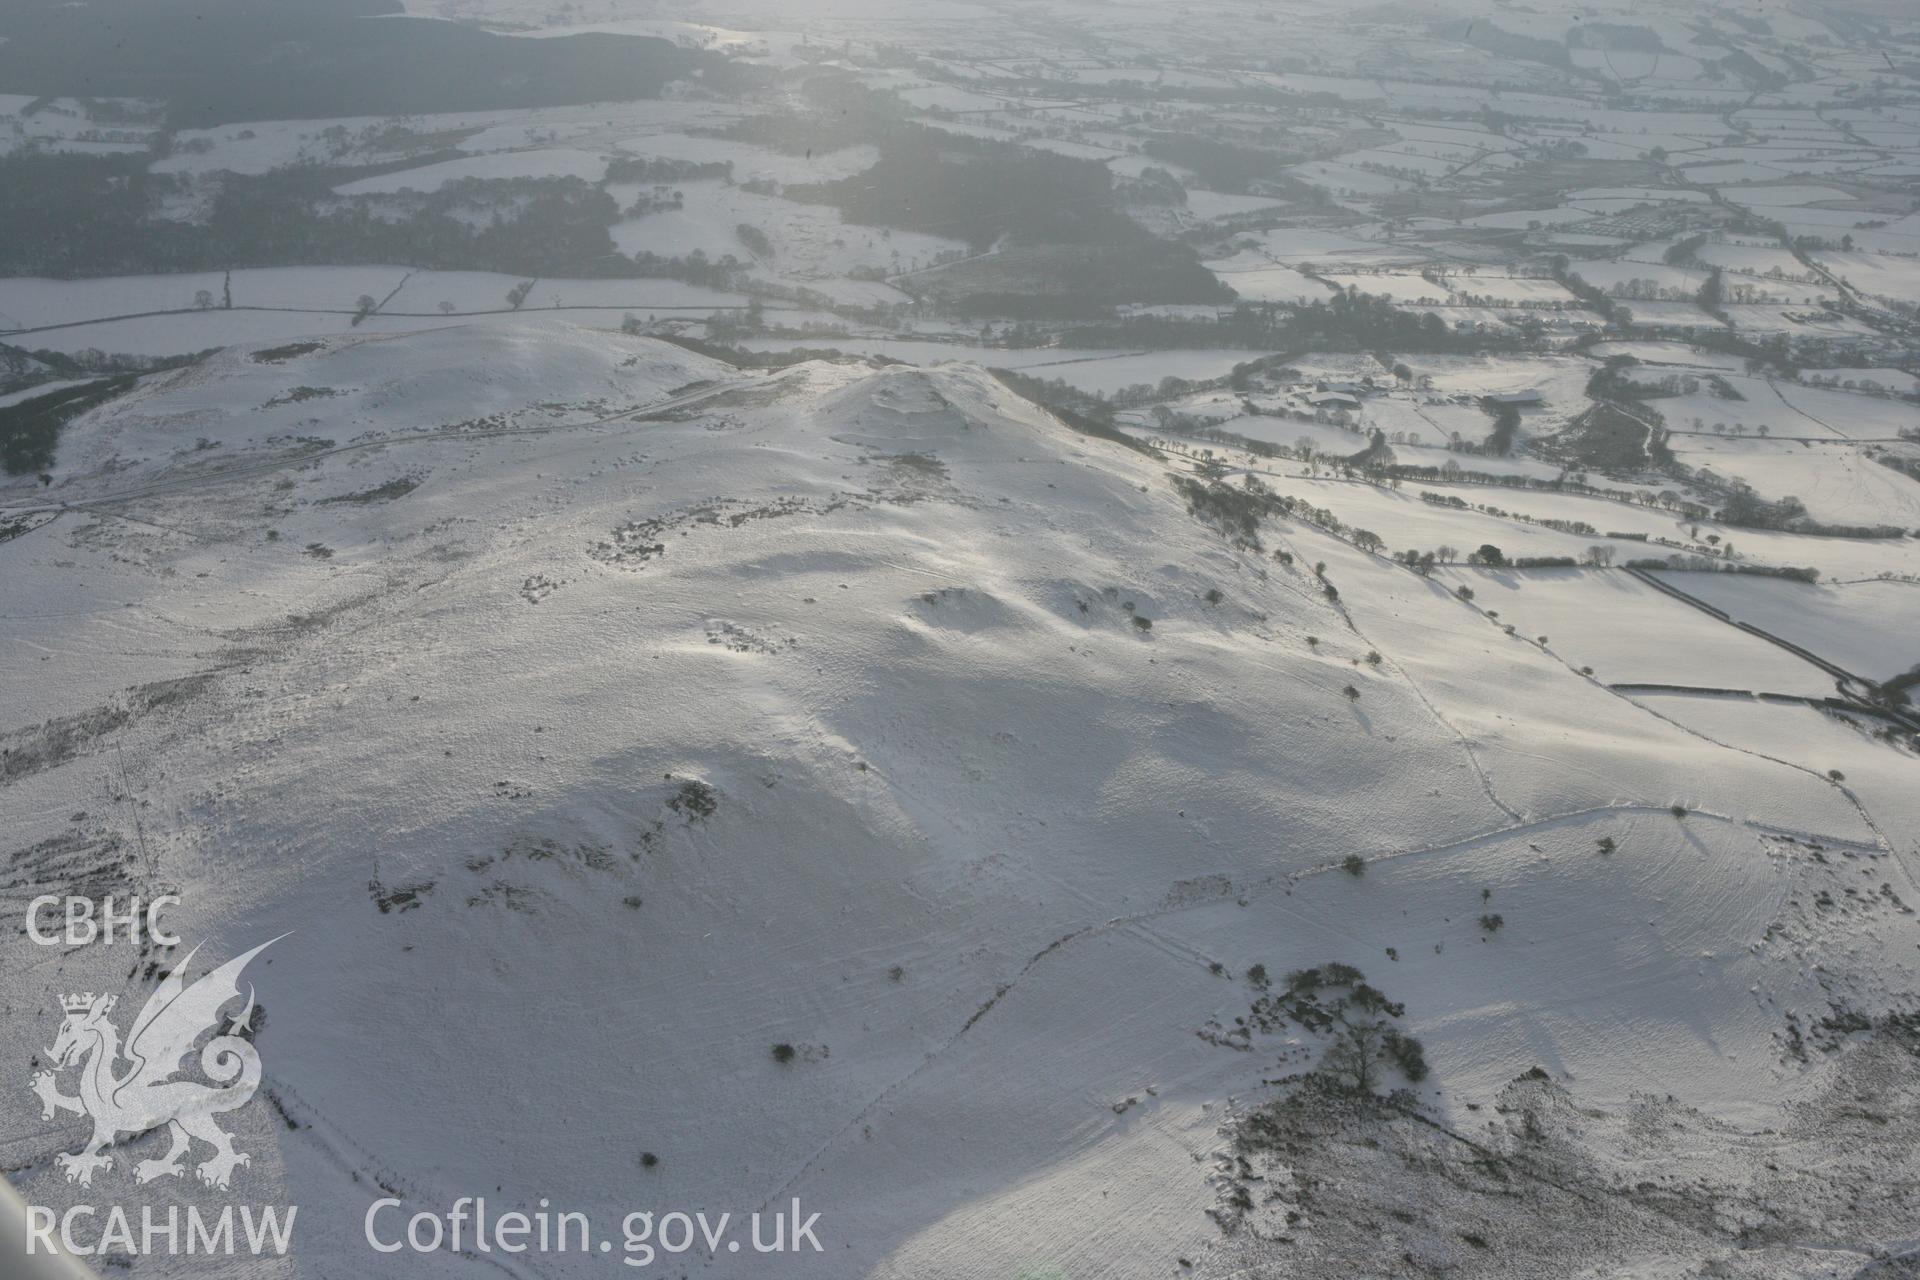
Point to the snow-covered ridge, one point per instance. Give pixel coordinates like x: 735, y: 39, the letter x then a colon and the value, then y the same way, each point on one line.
x: 600, y: 717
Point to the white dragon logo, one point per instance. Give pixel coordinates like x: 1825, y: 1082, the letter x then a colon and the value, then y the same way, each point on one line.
x: 143, y: 1096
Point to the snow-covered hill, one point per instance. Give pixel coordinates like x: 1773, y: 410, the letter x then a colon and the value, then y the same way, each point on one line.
x: 17, y: 368
x: 599, y: 717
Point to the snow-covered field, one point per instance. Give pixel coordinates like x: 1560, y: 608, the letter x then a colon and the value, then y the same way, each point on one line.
x: 1256, y: 278
x: 1650, y: 638
x: 557, y: 162
x: 161, y: 316
x: 1870, y: 628
x: 810, y: 240
x: 34, y: 303
x: 1836, y: 483
x: 1104, y: 372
